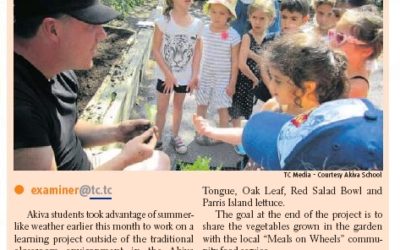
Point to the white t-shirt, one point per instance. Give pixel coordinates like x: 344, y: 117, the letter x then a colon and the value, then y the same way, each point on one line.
x: 178, y: 46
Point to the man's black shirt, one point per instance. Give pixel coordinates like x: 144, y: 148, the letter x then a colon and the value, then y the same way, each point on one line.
x: 45, y: 114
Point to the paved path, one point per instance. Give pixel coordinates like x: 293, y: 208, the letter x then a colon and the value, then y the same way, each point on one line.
x: 220, y: 154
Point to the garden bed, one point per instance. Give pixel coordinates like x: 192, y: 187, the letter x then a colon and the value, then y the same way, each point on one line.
x: 109, y: 52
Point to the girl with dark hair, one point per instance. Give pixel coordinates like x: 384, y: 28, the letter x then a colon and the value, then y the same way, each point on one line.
x: 359, y: 34
x: 293, y: 67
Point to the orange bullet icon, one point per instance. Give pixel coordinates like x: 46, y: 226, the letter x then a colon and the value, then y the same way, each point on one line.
x: 19, y: 189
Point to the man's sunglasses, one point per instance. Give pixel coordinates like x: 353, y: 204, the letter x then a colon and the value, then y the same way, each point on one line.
x: 340, y: 38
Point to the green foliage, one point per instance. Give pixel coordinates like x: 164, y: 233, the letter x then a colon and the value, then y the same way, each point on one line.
x: 123, y: 6
x: 202, y: 163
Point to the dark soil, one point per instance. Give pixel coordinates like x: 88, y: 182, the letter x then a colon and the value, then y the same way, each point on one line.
x: 107, y: 54
x: 109, y: 51
x: 112, y: 48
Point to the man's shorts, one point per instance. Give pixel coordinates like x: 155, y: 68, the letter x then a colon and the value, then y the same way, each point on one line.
x: 179, y: 89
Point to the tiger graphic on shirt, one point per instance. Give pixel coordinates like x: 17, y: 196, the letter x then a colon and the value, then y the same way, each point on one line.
x: 178, y: 51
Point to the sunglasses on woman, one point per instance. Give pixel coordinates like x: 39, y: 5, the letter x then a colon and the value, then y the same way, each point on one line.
x: 340, y: 38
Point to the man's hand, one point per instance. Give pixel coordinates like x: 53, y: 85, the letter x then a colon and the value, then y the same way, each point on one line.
x: 131, y: 128
x: 137, y: 150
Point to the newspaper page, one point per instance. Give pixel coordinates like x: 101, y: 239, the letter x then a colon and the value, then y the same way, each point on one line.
x: 215, y: 209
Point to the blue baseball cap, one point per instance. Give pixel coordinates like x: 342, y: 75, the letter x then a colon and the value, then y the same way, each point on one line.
x: 340, y: 134
x: 260, y: 136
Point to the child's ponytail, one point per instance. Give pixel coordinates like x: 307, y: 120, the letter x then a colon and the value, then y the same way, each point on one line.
x: 169, y: 6
x: 338, y: 88
x: 377, y: 43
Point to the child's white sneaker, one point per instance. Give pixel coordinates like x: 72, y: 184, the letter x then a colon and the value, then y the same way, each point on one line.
x: 179, y: 145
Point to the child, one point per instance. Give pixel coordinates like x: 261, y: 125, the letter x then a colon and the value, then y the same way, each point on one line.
x: 342, y: 5
x: 261, y: 14
x: 294, y: 14
x: 241, y: 23
x: 177, y: 51
x: 293, y: 65
x: 359, y: 34
x: 324, y: 17
x: 219, y: 66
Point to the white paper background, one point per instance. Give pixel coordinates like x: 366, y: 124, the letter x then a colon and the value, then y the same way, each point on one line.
x: 3, y: 105
x: 394, y: 127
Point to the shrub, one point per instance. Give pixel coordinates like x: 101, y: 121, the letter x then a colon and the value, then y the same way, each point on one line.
x: 123, y: 6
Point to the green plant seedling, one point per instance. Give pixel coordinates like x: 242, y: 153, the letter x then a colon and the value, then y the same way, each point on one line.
x: 202, y: 163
